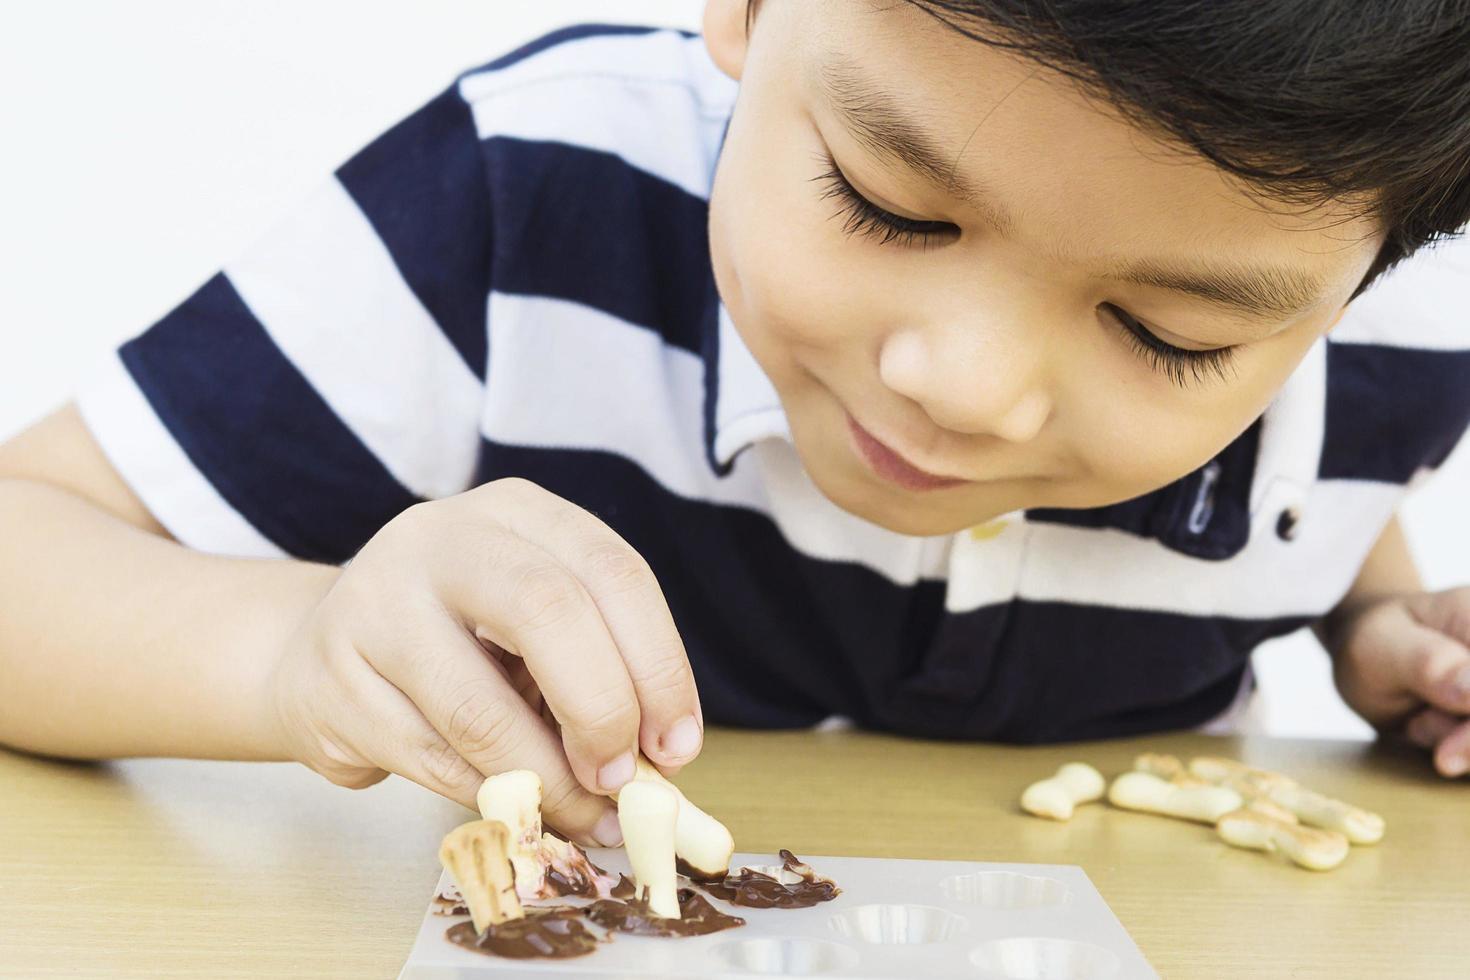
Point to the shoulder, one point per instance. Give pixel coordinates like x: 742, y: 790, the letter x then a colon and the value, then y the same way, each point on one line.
x: 606, y: 55
x: 1398, y: 371
x: 650, y: 97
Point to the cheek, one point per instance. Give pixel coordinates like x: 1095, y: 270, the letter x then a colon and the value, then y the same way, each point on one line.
x: 1136, y: 437
x: 787, y: 273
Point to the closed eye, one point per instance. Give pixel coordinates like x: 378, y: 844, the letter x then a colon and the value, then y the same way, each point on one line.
x: 861, y: 216
x: 1180, y: 365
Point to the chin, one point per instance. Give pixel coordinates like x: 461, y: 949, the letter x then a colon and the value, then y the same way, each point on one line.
x: 916, y: 515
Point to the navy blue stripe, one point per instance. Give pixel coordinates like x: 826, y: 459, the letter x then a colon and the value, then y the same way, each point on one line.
x: 585, y: 226
x: 574, y: 33
x: 1392, y: 410
x: 1204, y: 515
x: 258, y: 431
x: 422, y: 186
x: 778, y: 639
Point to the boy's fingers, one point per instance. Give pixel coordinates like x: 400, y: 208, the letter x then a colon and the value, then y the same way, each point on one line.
x: 1452, y: 758
x: 1430, y: 727
x: 632, y: 605
x: 541, y: 612
x: 1438, y: 669
x: 487, y: 729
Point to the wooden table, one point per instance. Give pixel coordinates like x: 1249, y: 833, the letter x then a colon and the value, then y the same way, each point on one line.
x: 162, y: 868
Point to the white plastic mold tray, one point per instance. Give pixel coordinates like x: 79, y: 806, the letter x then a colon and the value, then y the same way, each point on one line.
x: 894, y: 919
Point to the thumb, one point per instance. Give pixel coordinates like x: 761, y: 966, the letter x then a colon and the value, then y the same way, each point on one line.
x: 1437, y: 669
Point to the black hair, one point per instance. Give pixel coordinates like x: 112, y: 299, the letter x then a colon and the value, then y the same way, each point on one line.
x: 1364, y: 103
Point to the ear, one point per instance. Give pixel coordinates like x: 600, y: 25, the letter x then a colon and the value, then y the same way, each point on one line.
x: 725, y: 36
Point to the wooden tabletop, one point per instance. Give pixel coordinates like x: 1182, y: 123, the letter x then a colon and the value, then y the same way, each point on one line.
x: 164, y: 868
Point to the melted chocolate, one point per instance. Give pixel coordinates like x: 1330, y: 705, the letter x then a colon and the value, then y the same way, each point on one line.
x: 577, y: 883
x: 755, y: 890
x: 694, y: 874
x: 624, y: 888
x: 697, y: 917
x: 549, y: 933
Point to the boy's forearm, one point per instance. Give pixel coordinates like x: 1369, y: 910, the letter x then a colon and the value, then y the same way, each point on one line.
x: 1388, y: 570
x: 117, y: 642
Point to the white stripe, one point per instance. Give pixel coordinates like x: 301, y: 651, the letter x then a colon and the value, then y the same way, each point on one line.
x: 143, y: 452
x: 1423, y: 303
x: 606, y: 93
x: 1269, y: 578
x: 566, y: 376
x: 327, y: 291
x: 1290, y: 453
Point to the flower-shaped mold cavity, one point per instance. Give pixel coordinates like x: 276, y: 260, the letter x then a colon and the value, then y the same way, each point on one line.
x: 1044, y: 958
x: 897, y: 925
x: 1006, y: 890
x: 785, y: 957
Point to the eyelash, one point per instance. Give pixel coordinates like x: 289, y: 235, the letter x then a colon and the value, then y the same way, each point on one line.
x: 1179, y: 364
x: 862, y: 217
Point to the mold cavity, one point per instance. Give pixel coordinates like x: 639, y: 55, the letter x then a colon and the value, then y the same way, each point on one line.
x: 897, y: 924
x: 785, y: 957
x: 1044, y: 958
x: 1006, y: 890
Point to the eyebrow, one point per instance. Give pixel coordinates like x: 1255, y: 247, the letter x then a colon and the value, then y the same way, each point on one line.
x: 886, y: 127
x: 1264, y: 292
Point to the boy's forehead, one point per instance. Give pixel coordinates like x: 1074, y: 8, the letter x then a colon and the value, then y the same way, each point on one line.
x: 949, y: 111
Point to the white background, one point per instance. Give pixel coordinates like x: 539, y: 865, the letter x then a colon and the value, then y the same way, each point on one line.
x: 145, y: 143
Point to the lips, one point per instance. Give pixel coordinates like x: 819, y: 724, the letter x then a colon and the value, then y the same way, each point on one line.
x: 891, y: 466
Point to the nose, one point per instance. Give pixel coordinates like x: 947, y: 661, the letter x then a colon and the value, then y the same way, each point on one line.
x: 970, y: 380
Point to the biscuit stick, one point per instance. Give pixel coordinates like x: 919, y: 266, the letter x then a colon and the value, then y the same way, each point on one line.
x: 647, y: 813
x: 1318, y: 850
x: 1057, y: 796
x: 476, y: 854
x: 1151, y: 794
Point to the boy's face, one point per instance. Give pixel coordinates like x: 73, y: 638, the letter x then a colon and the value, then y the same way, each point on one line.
x: 982, y: 342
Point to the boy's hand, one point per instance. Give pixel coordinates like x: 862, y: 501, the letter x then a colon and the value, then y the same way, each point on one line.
x: 465, y: 632
x: 1403, y: 663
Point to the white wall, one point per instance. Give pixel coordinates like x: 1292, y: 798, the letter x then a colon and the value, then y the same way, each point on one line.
x: 146, y: 142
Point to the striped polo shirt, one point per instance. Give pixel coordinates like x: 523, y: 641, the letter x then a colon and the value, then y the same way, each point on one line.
x: 516, y: 281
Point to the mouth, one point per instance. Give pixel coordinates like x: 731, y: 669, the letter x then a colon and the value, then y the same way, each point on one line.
x: 892, y: 467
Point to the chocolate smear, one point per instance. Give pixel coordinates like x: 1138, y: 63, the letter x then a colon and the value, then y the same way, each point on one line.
x: 697, y: 917
x: 574, y: 881
x: 756, y: 890
x: 545, y: 933
x: 694, y: 874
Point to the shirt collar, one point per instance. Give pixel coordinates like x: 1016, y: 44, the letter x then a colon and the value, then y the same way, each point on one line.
x: 742, y: 406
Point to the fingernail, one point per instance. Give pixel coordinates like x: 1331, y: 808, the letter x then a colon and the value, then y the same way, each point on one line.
x: 1456, y: 766
x: 607, y: 832
x: 682, y: 741
x: 617, y: 772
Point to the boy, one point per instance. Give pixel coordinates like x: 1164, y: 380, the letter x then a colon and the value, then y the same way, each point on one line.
x: 980, y: 391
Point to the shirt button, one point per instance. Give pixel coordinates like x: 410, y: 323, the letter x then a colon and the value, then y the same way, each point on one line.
x: 1287, y: 522
x: 984, y: 532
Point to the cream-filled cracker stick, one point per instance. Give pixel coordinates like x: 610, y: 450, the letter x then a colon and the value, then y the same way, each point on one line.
x: 514, y: 799
x: 1058, y: 795
x: 1150, y: 794
x: 1356, y: 824
x: 1318, y: 850
x: 1359, y: 826
x: 477, y: 855
x: 647, y: 813
x: 699, y: 838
